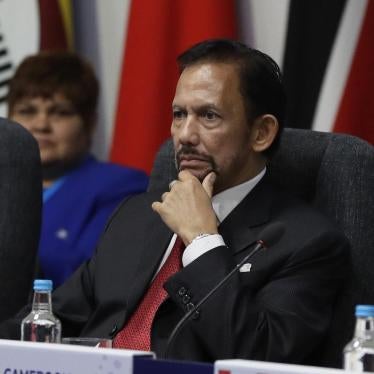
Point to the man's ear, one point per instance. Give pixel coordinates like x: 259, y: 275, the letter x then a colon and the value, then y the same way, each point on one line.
x: 264, y: 131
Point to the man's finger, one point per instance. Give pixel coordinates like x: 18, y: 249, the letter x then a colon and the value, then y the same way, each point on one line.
x: 208, y: 183
x: 171, y: 184
x: 156, y: 205
x: 185, y: 175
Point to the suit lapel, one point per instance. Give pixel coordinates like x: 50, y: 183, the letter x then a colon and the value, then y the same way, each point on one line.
x: 157, y: 237
x: 242, y: 225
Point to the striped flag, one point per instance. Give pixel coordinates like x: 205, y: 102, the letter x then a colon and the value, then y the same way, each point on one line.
x: 5, y: 68
x: 157, y: 32
x: 306, y: 56
x: 356, y: 108
x: 38, y: 25
x: 328, y: 66
x: 56, y: 24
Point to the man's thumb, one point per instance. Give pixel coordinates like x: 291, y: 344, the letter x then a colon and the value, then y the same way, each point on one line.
x: 208, y: 183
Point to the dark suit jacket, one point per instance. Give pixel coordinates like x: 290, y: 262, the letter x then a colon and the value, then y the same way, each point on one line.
x: 279, y: 311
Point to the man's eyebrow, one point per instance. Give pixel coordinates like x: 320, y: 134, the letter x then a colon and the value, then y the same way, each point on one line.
x: 197, y: 107
x: 205, y: 107
x: 176, y: 106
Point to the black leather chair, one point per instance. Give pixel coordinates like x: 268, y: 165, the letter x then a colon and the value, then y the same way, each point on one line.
x: 334, y: 173
x: 20, y: 215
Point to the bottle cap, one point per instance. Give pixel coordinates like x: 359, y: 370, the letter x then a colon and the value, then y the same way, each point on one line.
x: 364, y: 310
x: 42, y: 285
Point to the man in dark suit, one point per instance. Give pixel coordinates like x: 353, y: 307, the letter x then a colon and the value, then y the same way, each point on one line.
x: 227, y: 116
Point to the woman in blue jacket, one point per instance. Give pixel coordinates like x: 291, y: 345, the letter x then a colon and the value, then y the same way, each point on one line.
x: 54, y: 95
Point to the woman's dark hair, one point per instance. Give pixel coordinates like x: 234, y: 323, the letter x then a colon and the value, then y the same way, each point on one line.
x: 57, y: 72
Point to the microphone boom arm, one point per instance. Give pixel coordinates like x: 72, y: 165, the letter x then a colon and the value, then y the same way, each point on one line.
x: 270, y: 235
x: 181, y: 323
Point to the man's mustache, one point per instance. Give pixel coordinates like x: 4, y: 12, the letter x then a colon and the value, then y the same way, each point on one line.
x: 187, y: 150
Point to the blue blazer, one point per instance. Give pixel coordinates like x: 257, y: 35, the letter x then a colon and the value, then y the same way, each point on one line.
x: 75, y: 215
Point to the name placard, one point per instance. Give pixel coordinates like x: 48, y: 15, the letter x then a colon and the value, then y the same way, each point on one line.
x: 261, y: 367
x: 42, y: 358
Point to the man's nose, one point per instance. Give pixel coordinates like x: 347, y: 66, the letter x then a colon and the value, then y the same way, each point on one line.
x: 189, y: 132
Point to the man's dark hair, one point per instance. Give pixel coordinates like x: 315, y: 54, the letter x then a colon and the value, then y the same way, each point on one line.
x: 57, y: 72
x: 259, y: 75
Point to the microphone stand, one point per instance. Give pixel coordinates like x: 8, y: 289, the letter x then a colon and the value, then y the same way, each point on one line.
x: 182, y: 322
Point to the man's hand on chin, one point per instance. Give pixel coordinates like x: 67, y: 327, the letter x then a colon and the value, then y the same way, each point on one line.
x: 187, y: 209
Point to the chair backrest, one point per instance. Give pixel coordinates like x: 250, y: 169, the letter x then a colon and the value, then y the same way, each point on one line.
x: 335, y: 174
x: 20, y: 215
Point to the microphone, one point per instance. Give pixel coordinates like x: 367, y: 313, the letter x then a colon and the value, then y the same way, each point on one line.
x: 267, y: 237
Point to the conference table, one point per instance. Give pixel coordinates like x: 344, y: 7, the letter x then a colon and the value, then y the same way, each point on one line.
x: 18, y: 357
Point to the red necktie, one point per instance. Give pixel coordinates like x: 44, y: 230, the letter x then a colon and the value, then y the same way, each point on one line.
x: 136, y: 333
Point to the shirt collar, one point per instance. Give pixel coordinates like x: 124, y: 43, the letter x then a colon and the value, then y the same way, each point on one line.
x: 225, y: 201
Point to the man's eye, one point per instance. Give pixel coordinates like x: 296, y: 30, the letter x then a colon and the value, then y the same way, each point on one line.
x: 177, y: 114
x: 210, y: 115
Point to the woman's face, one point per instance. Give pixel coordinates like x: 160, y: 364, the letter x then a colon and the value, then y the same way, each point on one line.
x: 56, y: 125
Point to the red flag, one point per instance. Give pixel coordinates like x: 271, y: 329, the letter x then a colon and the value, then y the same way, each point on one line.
x: 52, y: 29
x: 356, y: 110
x: 157, y: 32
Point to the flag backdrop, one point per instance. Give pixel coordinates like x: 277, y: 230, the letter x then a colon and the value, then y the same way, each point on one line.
x: 157, y: 32
x: 327, y: 58
x: 307, y: 51
x: 56, y: 24
x: 26, y: 28
x: 356, y: 109
x: 328, y: 66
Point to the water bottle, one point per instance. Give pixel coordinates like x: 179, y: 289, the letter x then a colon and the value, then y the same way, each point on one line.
x: 41, y: 325
x: 359, y: 352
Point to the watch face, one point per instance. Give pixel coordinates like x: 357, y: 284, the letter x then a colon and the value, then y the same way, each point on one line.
x: 19, y: 37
